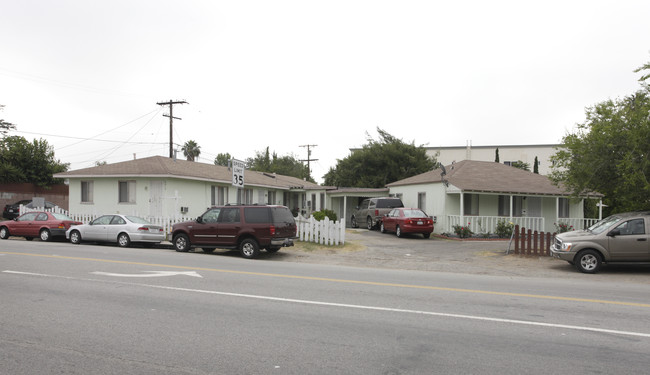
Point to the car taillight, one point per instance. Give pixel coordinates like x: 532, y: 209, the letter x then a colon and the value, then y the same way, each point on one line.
x: 376, y: 212
x: 272, y: 230
x: 61, y: 226
x: 143, y: 229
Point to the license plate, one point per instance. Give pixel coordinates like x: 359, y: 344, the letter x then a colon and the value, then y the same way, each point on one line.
x: 420, y: 223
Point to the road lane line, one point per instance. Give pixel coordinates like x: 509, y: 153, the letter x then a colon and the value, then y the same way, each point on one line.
x: 360, y: 282
x: 351, y: 306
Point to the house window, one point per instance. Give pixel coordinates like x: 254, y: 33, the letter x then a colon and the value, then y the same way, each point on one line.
x: 422, y: 201
x: 126, y: 193
x: 244, y: 196
x: 218, y: 195
x: 504, y: 205
x: 322, y: 201
x: 563, y: 207
x: 517, y: 206
x: 470, y: 202
x: 86, y: 192
x: 271, y: 199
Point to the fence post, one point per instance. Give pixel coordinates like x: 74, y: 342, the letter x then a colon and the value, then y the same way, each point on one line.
x: 535, y: 242
x: 516, y: 239
x: 541, y: 244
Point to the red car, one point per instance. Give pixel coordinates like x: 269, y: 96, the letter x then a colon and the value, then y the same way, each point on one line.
x: 44, y: 225
x: 407, y: 220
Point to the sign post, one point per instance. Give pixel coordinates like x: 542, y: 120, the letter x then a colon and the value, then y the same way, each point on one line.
x: 238, y: 167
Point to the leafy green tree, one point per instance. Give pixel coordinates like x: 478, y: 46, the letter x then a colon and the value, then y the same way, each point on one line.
x: 380, y: 162
x: 610, y: 152
x: 4, y: 125
x: 287, y: 165
x: 223, y: 159
x: 24, y: 161
x: 521, y: 165
x: 191, y: 150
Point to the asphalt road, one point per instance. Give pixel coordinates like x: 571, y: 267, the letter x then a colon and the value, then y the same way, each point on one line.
x: 91, y: 309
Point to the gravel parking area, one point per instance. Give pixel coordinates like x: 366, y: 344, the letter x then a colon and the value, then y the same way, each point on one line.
x: 365, y: 248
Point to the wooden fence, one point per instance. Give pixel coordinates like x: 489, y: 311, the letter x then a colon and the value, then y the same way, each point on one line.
x: 324, y: 232
x: 529, y: 242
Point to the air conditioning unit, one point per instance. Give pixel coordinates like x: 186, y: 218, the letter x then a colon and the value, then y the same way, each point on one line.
x: 184, y: 210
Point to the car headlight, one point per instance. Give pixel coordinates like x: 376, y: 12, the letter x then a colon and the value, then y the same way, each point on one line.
x: 566, y: 246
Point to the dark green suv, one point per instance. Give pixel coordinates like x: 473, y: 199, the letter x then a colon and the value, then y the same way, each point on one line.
x: 243, y: 227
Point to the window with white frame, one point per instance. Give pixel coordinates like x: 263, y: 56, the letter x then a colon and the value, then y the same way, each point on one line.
x: 470, y: 203
x: 126, y: 191
x: 218, y: 195
x: 244, y: 196
x: 271, y: 197
x: 87, y: 191
x: 422, y: 201
x: 563, y: 207
x: 504, y: 205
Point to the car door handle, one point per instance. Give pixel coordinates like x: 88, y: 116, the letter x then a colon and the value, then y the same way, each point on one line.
x: 641, y: 239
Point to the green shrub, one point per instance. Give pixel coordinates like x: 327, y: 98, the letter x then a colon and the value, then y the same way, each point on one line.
x: 504, y: 229
x: 320, y: 215
x: 462, y: 231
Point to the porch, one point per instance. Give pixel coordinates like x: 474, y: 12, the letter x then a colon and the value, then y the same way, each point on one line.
x: 488, y: 224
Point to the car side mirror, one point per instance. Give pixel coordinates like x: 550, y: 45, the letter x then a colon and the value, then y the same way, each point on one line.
x: 199, y: 219
x: 614, y: 233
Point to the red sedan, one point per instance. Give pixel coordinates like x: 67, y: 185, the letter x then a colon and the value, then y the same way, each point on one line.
x: 44, y: 225
x: 407, y: 220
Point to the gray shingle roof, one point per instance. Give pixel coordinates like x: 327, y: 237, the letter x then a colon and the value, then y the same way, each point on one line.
x: 159, y: 166
x: 483, y: 176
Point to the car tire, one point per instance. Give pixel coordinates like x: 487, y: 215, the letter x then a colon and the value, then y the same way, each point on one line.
x: 369, y: 223
x: 249, y: 248
x: 398, y: 231
x: 426, y: 235
x: 381, y: 228
x: 588, y: 261
x: 354, y: 223
x: 123, y: 240
x: 75, y: 237
x: 181, y: 243
x: 44, y: 235
x: 4, y: 233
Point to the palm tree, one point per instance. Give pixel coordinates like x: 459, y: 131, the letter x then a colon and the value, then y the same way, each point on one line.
x: 191, y: 150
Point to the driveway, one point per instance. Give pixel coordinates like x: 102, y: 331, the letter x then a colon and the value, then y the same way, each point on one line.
x: 365, y: 248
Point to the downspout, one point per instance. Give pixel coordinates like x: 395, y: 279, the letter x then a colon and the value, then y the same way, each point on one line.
x: 462, y: 209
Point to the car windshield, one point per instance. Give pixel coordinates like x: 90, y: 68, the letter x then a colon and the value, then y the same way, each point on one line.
x: 61, y: 216
x: 137, y: 220
x: 602, y: 225
x: 414, y: 213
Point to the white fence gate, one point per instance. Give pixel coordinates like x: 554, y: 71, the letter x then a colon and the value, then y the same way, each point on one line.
x: 325, y: 232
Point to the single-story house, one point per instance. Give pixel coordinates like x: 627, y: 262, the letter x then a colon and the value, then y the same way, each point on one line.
x: 479, y: 194
x: 159, y: 186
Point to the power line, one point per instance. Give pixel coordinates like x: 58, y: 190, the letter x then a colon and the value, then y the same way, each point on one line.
x: 309, y: 159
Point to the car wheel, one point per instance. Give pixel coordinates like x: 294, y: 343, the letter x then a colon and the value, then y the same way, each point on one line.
x: 588, y: 261
x: 381, y: 228
x: 4, y: 233
x: 249, y: 248
x: 354, y: 223
x: 181, y: 243
x: 75, y: 237
x: 369, y: 223
x: 398, y: 231
x: 123, y: 240
x: 45, y: 234
x: 426, y: 235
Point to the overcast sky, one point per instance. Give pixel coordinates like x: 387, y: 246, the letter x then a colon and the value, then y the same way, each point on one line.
x: 86, y: 75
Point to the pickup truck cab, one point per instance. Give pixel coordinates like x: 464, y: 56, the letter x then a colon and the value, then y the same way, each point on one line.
x: 622, y: 238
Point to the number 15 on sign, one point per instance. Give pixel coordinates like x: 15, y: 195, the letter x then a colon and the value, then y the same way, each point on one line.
x: 238, y: 167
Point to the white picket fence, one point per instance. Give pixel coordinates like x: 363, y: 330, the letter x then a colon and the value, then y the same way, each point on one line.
x: 324, y: 232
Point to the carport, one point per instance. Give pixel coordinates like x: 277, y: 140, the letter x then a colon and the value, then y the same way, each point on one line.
x: 345, y: 200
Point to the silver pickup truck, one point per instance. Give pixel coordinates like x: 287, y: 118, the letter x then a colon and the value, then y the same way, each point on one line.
x: 622, y: 238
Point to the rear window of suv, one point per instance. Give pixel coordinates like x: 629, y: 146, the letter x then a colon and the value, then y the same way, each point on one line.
x: 256, y: 215
x: 389, y: 203
x: 282, y: 215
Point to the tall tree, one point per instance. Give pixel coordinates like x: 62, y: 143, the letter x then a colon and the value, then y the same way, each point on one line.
x: 24, y: 161
x: 4, y: 125
x: 610, y: 152
x: 496, y: 155
x: 191, y: 150
x: 222, y: 159
x: 536, y: 166
x: 380, y: 162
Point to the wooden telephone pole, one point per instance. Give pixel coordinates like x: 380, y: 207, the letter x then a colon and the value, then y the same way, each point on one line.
x: 171, y: 103
x: 309, y: 159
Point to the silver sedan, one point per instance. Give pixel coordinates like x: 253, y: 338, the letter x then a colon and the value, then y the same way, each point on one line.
x: 122, y: 229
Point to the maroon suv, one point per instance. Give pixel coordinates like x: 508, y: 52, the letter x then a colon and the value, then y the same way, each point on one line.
x: 247, y: 228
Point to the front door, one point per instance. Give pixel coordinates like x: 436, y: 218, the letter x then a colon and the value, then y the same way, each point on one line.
x: 228, y: 226
x: 632, y: 242
x: 205, y: 232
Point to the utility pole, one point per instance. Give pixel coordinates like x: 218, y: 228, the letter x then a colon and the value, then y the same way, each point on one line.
x: 309, y: 159
x: 171, y: 103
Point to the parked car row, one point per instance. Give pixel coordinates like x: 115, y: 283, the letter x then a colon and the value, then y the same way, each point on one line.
x: 248, y: 228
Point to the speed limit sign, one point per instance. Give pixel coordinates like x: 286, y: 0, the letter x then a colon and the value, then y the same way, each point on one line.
x: 238, y: 167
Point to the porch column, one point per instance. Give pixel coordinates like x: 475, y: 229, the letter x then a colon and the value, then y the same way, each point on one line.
x: 600, y: 209
x: 511, y: 202
x: 462, y: 209
x: 345, y: 209
x: 557, y: 209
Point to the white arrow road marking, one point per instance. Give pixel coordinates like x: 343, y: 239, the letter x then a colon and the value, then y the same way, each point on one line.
x: 150, y: 274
